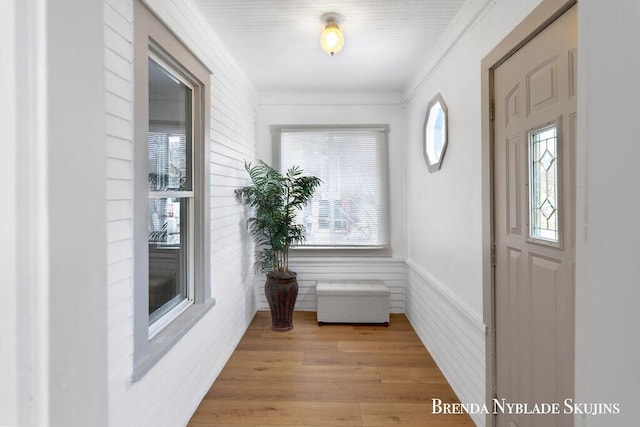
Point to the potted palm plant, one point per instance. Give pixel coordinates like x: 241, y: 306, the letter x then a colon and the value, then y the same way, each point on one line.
x: 275, y: 199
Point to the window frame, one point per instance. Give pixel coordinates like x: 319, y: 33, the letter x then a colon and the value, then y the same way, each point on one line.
x: 341, y: 250
x: 166, y: 316
x: 153, y: 38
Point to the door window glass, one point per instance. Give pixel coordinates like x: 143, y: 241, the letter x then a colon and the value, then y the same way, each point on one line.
x: 543, y: 184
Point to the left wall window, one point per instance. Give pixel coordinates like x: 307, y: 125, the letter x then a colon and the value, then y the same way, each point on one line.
x: 171, y: 193
x: 171, y: 274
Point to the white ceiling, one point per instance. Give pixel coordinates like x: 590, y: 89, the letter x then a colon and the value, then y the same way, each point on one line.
x: 277, y: 42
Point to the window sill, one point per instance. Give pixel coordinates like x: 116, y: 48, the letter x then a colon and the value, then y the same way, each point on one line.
x: 169, y: 336
x: 345, y: 251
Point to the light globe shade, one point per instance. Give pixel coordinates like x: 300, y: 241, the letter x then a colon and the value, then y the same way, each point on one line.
x: 332, y: 39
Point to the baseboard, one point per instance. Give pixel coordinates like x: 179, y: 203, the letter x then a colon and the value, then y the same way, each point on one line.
x: 453, y: 334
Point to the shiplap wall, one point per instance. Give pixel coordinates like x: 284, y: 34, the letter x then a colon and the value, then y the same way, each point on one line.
x: 118, y: 54
x: 169, y: 393
x: 311, y: 270
x: 454, y: 335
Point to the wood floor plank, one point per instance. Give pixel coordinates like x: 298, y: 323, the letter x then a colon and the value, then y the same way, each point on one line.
x: 338, y: 358
x: 297, y: 413
x: 272, y: 358
x: 386, y: 347
x: 411, y: 374
x: 330, y: 375
x: 328, y: 333
x: 198, y: 423
x: 333, y: 391
x: 262, y: 372
x: 408, y: 414
x: 291, y: 344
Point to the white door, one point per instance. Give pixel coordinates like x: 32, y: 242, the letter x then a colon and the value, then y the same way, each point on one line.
x: 534, y: 208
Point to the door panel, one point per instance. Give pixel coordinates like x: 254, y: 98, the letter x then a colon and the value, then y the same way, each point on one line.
x: 534, y: 214
x: 515, y: 164
x: 542, y: 86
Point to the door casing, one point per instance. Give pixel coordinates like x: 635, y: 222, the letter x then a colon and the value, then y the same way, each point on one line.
x: 539, y: 19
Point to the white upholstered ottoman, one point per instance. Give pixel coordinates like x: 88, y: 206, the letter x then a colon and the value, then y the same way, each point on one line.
x: 353, y: 302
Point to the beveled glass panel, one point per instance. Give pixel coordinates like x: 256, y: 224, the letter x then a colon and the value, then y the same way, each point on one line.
x: 543, y: 184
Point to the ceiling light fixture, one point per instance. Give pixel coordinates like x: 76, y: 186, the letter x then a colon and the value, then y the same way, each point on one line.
x: 331, y: 39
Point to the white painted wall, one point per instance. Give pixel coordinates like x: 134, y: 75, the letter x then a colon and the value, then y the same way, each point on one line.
x: 77, y: 214
x: 608, y: 205
x: 328, y: 108
x: 55, y: 206
x: 8, y: 220
x: 444, y: 209
x: 24, y: 222
x: 169, y: 393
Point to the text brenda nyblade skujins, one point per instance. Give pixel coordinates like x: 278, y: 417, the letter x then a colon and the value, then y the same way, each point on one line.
x: 501, y: 406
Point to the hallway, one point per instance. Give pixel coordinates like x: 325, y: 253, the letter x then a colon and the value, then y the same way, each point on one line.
x: 332, y: 375
x: 79, y: 344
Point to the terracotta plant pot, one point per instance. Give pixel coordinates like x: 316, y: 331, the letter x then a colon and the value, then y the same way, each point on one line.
x: 281, y: 294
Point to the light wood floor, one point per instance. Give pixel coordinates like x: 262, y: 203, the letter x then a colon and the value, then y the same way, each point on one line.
x: 330, y: 375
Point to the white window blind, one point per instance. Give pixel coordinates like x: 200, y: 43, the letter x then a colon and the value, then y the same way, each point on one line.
x: 349, y: 209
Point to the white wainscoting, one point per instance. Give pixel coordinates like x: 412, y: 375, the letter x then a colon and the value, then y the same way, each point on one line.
x: 310, y: 270
x: 453, y: 334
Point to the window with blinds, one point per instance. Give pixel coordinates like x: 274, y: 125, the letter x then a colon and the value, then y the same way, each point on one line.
x: 350, y: 208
